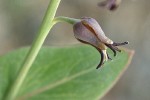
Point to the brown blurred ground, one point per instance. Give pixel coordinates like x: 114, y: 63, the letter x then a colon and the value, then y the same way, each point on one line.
x: 20, y: 19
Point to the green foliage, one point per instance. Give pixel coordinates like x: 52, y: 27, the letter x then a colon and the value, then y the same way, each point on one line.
x: 62, y: 73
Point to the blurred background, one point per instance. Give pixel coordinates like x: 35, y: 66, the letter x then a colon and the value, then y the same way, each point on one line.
x: 20, y: 20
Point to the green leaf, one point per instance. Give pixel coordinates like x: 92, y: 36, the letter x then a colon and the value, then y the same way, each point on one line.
x: 63, y: 73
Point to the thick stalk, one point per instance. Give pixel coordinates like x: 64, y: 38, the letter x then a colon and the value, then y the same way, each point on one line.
x: 42, y: 33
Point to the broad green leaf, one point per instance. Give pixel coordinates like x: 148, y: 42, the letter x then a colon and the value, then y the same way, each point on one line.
x: 63, y: 73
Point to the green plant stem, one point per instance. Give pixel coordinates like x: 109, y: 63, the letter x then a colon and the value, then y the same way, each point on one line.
x: 42, y: 33
x: 66, y: 19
